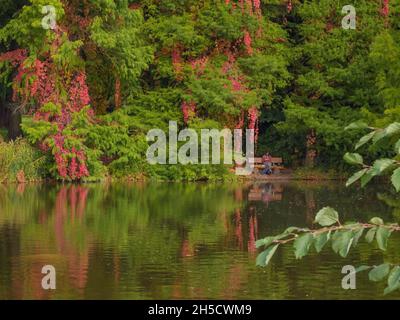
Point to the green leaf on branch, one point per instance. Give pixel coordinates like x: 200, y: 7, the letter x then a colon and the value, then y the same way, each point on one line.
x: 353, y: 158
x: 365, y: 139
x: 342, y: 241
x: 397, y: 147
x: 357, y: 236
x: 369, y: 237
x: 381, y: 165
x: 379, y: 135
x: 357, y: 125
x: 377, y: 221
x: 291, y: 230
x: 382, y: 236
x: 321, y: 240
x: 327, y: 217
x: 265, y: 257
x: 396, y: 179
x: 379, y: 273
x: 264, y: 242
x: 302, y: 245
x: 367, y: 177
x: 355, y: 177
x: 393, y: 280
x: 392, y: 129
x: 362, y: 268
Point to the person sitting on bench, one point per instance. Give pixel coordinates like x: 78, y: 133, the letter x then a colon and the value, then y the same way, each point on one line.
x: 267, y: 161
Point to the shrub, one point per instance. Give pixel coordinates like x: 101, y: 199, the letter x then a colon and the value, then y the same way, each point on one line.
x: 20, y: 162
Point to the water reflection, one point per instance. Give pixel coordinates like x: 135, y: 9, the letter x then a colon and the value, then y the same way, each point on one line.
x: 174, y: 241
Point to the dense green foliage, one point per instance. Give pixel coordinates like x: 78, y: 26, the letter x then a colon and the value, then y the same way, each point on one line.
x: 20, y: 162
x: 284, y: 68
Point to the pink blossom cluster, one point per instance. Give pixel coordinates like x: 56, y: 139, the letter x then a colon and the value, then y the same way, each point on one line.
x: 75, y: 168
x: 78, y: 93
x: 289, y: 6
x: 247, y: 42
x: 177, y: 62
x: 15, y: 57
x: 199, y: 65
x: 386, y: 8
x: 188, y: 110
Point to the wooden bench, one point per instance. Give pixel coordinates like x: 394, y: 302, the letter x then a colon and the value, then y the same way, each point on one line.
x: 276, y: 164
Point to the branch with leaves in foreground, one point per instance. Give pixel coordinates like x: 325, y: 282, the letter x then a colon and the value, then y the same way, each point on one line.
x: 342, y: 237
x: 389, y: 136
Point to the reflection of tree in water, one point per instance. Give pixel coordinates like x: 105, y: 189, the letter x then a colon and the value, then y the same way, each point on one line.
x: 43, y: 238
x: 253, y: 231
x: 311, y: 206
x: 231, y: 280
x: 238, y: 228
x: 70, y: 205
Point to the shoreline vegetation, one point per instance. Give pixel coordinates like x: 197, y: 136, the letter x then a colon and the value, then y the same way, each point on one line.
x: 22, y: 163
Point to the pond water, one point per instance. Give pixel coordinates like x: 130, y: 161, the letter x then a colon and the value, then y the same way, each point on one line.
x: 180, y: 241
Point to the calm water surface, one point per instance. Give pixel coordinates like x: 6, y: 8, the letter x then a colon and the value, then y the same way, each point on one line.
x: 180, y: 241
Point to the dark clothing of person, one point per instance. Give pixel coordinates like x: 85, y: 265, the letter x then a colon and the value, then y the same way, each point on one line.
x: 267, y: 161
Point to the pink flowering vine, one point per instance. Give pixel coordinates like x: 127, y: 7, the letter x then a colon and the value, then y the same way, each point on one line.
x: 188, y: 110
x: 177, y: 62
x: 289, y: 6
x: 248, y: 41
x: 386, y: 8
x: 41, y: 81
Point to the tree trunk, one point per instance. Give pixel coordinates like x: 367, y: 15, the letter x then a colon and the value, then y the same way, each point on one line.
x: 4, y: 115
x: 117, y: 93
x: 311, y: 153
x: 14, y: 125
x: 11, y: 118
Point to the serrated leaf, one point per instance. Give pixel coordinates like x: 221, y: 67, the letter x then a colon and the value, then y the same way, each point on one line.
x: 381, y: 165
x: 353, y: 158
x: 264, y: 242
x: 356, y: 125
x: 265, y: 257
x: 358, y: 234
x: 377, y: 221
x: 369, y: 237
x: 393, y: 280
x: 382, y: 236
x: 291, y: 230
x: 379, y: 273
x: 355, y: 177
x: 365, y: 139
x: 342, y: 241
x: 379, y: 135
x: 321, y: 240
x: 362, y: 268
x: 327, y: 217
x: 390, y: 289
x: 392, y: 129
x: 302, y: 245
x: 344, y: 251
x: 397, y: 147
x: 394, y: 276
x: 396, y: 179
x: 367, y: 177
